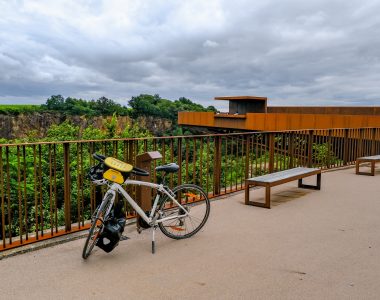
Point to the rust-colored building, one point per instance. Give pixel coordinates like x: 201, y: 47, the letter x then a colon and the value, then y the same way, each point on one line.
x: 252, y: 113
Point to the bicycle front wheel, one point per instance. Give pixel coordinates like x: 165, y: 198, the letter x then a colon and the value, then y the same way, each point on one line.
x: 186, y: 221
x: 97, y: 225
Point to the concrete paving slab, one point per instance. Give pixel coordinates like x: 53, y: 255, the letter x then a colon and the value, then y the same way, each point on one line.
x: 310, y: 245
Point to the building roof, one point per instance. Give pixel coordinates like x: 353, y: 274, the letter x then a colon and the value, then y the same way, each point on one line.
x: 241, y: 98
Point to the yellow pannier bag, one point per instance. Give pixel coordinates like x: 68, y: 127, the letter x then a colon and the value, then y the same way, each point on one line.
x: 114, y: 176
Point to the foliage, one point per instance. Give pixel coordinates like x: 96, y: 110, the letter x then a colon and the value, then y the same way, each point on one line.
x: 72, y: 106
x: 148, y: 105
x: 15, y: 109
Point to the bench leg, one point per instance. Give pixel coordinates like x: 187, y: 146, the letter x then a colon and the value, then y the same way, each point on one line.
x: 254, y: 203
x: 372, y: 173
x: 308, y: 186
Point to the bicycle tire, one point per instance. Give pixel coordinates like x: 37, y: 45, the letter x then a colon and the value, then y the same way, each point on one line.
x: 96, y: 223
x: 195, y: 202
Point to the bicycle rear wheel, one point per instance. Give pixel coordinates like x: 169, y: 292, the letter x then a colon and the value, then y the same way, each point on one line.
x: 196, y: 203
x: 97, y: 225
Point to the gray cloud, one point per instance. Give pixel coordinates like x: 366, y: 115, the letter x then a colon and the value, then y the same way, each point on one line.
x: 294, y: 52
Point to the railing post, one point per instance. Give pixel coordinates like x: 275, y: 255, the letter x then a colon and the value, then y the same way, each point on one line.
x: 291, y: 150
x: 345, y: 146
x: 247, y: 148
x: 217, y: 163
x: 271, y: 152
x: 179, y: 149
x: 310, y: 149
x: 67, y: 185
x: 360, y: 146
x: 373, y: 142
x: 328, y: 158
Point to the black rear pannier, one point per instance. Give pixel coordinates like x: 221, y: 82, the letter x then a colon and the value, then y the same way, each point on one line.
x: 111, y: 234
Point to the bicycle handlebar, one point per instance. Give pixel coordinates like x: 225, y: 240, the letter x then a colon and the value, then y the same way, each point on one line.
x: 139, y: 172
x: 99, y: 157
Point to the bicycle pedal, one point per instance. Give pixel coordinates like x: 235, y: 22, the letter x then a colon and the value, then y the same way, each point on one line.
x: 124, y: 238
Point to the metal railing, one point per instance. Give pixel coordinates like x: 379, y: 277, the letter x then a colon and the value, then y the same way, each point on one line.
x: 44, y: 191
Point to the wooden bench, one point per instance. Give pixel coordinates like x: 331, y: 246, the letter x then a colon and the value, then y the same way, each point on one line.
x: 278, y: 178
x: 371, y: 159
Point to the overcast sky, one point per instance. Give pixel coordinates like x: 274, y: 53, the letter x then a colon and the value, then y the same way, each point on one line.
x: 313, y: 52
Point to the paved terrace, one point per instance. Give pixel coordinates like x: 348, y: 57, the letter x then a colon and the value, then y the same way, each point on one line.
x: 310, y: 245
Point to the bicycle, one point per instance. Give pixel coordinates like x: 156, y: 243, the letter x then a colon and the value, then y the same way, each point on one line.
x: 179, y: 212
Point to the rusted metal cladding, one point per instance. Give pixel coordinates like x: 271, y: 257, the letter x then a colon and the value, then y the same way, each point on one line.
x: 278, y: 121
x: 331, y: 110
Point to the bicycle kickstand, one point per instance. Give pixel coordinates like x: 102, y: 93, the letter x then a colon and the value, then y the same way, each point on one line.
x: 154, y: 228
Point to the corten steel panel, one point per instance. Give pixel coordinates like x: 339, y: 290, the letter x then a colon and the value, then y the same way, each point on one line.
x: 373, y: 121
x: 278, y: 122
x: 308, y: 121
x: 270, y: 123
x: 282, y: 121
x: 339, y: 110
x: 323, y: 121
x: 295, y: 121
x: 230, y: 123
x: 255, y: 121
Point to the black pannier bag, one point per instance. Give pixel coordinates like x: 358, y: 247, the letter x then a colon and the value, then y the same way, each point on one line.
x: 111, y: 234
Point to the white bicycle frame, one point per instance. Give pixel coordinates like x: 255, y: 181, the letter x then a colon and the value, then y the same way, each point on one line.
x: 115, y: 187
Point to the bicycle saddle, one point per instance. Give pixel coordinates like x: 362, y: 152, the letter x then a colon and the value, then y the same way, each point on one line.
x: 169, y: 168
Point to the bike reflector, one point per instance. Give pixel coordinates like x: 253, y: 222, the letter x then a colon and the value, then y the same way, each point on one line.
x: 176, y: 228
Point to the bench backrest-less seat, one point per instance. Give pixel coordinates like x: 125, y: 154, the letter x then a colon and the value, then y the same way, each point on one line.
x: 371, y: 159
x: 277, y: 178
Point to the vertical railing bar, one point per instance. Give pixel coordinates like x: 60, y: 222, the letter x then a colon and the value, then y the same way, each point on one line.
x: 35, y: 190
x: 51, y: 191
x: 9, y: 196
x: 40, y: 188
x: 242, y: 170
x: 2, y: 197
x: 67, y: 189
x: 246, y: 174
x: 163, y: 150
x: 225, y: 165
x: 207, y: 164
x: 179, y: 160
x: 81, y: 183
x: 55, y: 188
x: 19, y: 194
x: 251, y: 145
x: 201, y: 163
x: 25, y: 195
x: 187, y: 161
x: 154, y: 162
x: 237, y: 162
x: 172, y: 160
x: 78, y: 183
x: 231, y: 162
x: 194, y: 159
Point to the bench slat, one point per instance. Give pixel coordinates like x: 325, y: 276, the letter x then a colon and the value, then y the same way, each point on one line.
x: 278, y: 176
x: 369, y: 158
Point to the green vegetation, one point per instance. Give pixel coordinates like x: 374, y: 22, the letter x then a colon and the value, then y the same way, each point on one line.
x: 15, y: 109
x: 142, y: 105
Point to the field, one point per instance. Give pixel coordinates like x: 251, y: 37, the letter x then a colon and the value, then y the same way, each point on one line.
x: 14, y: 109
